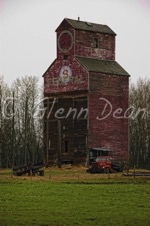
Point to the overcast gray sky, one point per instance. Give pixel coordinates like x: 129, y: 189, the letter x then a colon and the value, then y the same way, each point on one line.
x: 28, y: 39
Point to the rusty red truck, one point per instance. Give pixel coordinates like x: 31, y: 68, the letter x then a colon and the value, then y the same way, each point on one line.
x: 101, y: 161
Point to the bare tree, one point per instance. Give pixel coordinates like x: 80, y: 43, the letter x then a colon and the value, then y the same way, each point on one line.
x: 5, y: 125
x: 21, y: 135
x: 27, y: 97
x: 140, y: 123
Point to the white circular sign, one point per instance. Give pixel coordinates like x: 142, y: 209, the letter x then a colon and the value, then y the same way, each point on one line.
x: 65, y: 74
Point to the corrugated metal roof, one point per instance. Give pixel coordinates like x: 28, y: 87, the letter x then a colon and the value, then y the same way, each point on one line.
x: 103, y: 66
x: 88, y: 26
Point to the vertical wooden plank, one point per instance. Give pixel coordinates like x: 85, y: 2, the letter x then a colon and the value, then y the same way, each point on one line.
x: 13, y: 129
x: 47, y: 133
x: 59, y: 143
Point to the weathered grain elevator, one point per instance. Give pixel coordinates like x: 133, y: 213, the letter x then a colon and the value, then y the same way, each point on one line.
x: 86, y: 94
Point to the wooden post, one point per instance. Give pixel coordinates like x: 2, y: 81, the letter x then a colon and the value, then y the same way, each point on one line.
x: 25, y: 140
x: 87, y: 154
x: 13, y: 129
x: 47, y: 134
x: 0, y: 125
x: 134, y: 171
x: 59, y: 143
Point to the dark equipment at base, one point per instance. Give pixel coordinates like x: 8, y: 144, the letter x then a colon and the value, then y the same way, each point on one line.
x: 30, y: 169
x: 102, y: 161
x: 96, y: 152
x: 105, y: 164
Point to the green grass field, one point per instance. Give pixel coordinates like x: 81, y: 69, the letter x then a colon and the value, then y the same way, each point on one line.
x: 73, y: 197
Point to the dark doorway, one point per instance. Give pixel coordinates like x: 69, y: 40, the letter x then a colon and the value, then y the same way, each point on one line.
x: 66, y: 145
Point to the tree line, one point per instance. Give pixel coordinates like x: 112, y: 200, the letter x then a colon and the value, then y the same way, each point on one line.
x: 140, y: 124
x: 21, y: 122
x: 21, y: 136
